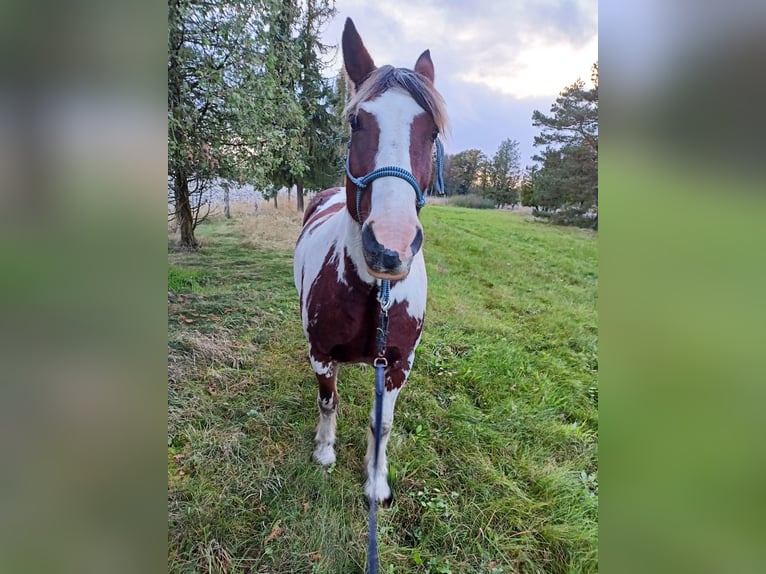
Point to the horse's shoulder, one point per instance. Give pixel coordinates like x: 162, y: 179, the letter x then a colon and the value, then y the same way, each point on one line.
x: 318, y: 200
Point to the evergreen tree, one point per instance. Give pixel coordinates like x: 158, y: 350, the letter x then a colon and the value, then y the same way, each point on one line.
x: 282, y: 75
x: 313, y: 161
x: 324, y: 131
x: 340, y: 99
x: 502, y: 174
x: 228, y: 118
x: 526, y: 187
x: 565, y: 187
x: 246, y: 100
x: 212, y: 56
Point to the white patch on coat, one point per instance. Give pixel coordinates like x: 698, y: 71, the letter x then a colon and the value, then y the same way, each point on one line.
x: 413, y: 289
x: 410, y: 360
x: 325, y: 236
x: 322, y: 233
x: 324, y: 453
x: 320, y: 368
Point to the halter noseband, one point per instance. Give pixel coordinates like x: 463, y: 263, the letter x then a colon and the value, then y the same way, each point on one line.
x: 401, y: 173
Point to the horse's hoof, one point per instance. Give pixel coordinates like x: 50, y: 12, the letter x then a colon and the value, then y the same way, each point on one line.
x: 325, y: 455
x: 385, y: 503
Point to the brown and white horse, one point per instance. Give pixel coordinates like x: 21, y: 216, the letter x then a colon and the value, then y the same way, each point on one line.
x: 350, y: 243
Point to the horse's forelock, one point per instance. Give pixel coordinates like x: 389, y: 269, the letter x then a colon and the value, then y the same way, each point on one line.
x: 421, y: 90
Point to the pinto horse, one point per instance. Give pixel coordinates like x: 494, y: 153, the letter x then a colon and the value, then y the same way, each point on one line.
x: 356, y: 238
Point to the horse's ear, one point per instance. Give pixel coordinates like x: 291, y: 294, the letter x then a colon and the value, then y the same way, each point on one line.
x: 425, y: 66
x: 359, y: 64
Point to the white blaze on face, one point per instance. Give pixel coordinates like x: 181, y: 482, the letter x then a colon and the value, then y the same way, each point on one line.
x: 392, y: 210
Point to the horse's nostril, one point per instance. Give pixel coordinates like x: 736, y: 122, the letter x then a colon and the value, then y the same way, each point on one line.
x: 417, y: 242
x: 369, y: 242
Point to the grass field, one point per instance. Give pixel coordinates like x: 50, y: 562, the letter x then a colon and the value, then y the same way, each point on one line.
x: 493, y: 456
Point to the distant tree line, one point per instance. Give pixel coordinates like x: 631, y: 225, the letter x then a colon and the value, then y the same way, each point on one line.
x: 562, y: 186
x: 247, y: 101
x: 497, y: 178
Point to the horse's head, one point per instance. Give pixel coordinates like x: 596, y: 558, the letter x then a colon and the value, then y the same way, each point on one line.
x: 395, y: 115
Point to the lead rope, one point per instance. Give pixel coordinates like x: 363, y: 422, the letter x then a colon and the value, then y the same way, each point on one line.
x: 380, y: 363
x: 384, y: 292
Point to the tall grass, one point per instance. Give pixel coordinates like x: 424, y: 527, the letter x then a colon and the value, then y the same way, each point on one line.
x: 493, y: 457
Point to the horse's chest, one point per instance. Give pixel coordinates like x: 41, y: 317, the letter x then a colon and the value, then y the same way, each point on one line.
x: 339, y: 314
x: 342, y: 320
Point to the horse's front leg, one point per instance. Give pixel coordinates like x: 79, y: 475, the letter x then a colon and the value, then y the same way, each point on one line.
x: 327, y: 401
x: 377, y: 478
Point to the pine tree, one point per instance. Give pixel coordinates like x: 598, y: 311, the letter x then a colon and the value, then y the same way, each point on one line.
x: 526, y: 187
x: 318, y: 99
x: 566, y: 183
x: 282, y: 75
x: 313, y: 132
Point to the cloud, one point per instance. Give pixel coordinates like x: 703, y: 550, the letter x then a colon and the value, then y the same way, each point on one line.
x: 524, y: 50
x: 495, y: 62
x: 542, y: 68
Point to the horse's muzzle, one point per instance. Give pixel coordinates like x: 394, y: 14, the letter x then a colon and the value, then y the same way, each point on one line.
x: 385, y: 263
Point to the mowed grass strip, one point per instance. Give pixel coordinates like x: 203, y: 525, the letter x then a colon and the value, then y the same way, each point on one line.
x: 493, y: 457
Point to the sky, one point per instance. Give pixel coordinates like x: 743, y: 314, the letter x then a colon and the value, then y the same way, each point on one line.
x: 496, y: 61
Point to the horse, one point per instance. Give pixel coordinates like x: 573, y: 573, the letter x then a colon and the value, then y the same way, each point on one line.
x: 356, y: 238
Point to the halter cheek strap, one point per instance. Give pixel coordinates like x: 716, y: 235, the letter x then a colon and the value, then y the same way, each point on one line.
x: 401, y: 173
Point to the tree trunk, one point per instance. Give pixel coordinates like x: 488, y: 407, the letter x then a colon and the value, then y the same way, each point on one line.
x: 184, y: 213
x: 299, y: 193
x: 226, y: 209
x: 275, y: 200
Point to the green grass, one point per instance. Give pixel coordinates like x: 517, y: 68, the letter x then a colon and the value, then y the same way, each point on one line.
x: 493, y: 457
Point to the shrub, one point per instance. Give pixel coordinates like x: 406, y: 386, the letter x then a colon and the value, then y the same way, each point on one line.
x: 471, y: 200
x: 572, y: 216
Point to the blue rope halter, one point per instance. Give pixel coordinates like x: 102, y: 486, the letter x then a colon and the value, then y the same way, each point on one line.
x: 401, y: 173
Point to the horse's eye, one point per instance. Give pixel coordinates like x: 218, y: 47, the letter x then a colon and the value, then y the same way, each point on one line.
x: 434, y: 135
x: 353, y: 121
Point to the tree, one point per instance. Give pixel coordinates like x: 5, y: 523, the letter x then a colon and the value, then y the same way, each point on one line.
x: 319, y: 100
x: 246, y: 99
x: 340, y: 99
x: 502, y: 174
x: 313, y: 162
x: 526, y: 187
x: 463, y: 172
x: 565, y: 187
x: 220, y: 121
x: 283, y: 71
x: 204, y: 41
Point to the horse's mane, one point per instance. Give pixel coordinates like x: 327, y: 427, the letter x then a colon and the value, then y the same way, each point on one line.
x: 421, y: 90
